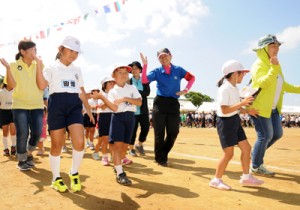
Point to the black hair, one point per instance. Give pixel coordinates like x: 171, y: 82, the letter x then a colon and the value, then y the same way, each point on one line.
x: 221, y: 81
x: 24, y: 45
x: 58, y: 55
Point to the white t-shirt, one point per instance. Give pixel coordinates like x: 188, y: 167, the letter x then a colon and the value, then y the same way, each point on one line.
x: 5, y: 99
x: 100, y: 102
x: 63, y: 79
x: 93, y: 104
x: 278, y: 91
x: 227, y: 95
x: 118, y: 92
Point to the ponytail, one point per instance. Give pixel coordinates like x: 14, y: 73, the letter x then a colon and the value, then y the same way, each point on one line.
x: 221, y: 81
x: 18, y: 55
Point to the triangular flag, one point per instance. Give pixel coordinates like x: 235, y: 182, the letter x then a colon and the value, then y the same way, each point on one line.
x: 86, y: 16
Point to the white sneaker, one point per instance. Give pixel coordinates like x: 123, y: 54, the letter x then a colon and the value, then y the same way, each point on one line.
x: 96, y: 156
x: 88, y: 144
x: 64, y: 149
x: 219, y: 185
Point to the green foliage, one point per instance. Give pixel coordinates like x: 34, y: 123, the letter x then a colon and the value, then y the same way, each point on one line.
x: 197, y: 98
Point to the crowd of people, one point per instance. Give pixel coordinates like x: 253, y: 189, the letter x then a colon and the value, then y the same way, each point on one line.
x: 37, y: 99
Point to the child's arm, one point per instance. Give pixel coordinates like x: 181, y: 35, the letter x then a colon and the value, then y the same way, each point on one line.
x: 228, y: 109
x: 134, y: 101
x: 108, y: 104
x: 83, y: 98
x: 9, y: 77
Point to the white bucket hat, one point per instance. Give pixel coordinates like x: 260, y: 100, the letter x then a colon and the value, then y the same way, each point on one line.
x: 232, y: 66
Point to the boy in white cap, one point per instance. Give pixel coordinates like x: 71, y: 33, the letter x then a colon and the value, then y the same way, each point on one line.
x: 66, y: 90
x: 229, y: 126
x: 122, y: 100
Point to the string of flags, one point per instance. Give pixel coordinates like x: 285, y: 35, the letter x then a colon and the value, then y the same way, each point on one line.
x: 43, y: 34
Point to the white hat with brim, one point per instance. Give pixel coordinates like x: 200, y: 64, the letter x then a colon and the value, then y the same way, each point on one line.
x: 232, y: 66
x: 121, y: 66
x: 107, y: 79
x: 72, y: 43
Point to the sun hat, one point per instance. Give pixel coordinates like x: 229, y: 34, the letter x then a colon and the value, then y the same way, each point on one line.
x: 107, y: 79
x: 71, y: 43
x: 164, y: 51
x: 116, y: 66
x: 232, y: 66
x: 137, y: 64
x: 266, y: 40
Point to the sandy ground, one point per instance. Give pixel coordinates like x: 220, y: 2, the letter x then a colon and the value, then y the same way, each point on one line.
x: 182, y: 185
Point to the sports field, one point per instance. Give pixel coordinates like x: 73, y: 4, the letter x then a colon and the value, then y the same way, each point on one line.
x: 182, y: 185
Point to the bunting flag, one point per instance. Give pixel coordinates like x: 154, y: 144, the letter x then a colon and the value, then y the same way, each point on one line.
x: 43, y: 34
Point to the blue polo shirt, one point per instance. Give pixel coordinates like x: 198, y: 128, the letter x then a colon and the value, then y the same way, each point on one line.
x: 167, y: 84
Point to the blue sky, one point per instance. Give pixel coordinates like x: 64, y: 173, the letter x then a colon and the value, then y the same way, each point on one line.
x: 201, y: 35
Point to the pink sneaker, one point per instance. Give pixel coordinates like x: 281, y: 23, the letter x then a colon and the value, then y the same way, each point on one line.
x: 126, y: 161
x: 105, y: 161
x: 219, y: 185
x: 251, y: 181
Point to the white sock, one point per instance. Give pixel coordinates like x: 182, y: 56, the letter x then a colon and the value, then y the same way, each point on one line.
x: 77, y: 157
x: 5, y: 143
x: 119, y: 169
x: 246, y: 176
x: 13, y: 140
x: 216, y: 179
x: 55, y: 166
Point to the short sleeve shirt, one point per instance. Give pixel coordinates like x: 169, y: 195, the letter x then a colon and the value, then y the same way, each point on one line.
x: 63, y: 79
x: 227, y: 95
x: 100, y: 102
x: 167, y: 84
x: 129, y: 91
x: 5, y: 99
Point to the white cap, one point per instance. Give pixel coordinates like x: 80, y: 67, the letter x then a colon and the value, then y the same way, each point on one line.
x: 107, y: 79
x: 232, y: 66
x: 72, y: 43
x: 116, y: 66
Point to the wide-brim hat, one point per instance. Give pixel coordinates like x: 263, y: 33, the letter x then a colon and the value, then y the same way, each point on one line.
x: 265, y: 41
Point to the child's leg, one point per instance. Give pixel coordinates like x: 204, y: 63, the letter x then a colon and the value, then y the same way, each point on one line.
x: 5, y: 130
x: 104, y: 145
x: 77, y: 137
x: 245, y: 155
x: 91, y: 134
x: 223, y: 162
x: 57, y: 140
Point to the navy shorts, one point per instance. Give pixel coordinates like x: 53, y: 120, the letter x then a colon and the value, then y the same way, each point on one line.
x: 121, y: 127
x: 6, y: 116
x: 87, y: 122
x: 64, y: 109
x: 104, y: 123
x: 230, y: 131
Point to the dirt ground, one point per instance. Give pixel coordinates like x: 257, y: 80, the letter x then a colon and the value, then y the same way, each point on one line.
x: 182, y: 185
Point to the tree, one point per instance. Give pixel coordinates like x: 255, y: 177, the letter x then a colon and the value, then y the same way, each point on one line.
x: 198, y: 98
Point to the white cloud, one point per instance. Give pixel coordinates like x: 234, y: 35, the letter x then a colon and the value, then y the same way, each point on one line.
x: 289, y: 36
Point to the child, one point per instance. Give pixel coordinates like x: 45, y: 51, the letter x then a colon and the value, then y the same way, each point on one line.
x: 67, y: 95
x: 122, y: 100
x: 6, y: 120
x: 40, y: 145
x: 104, y: 122
x: 229, y: 126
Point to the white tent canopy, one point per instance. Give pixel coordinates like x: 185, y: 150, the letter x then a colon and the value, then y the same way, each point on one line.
x: 208, y: 107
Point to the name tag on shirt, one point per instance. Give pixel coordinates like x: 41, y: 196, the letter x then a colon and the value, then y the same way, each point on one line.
x: 68, y: 83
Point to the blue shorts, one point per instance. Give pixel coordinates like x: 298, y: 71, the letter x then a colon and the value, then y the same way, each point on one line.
x: 104, y: 123
x: 6, y: 116
x: 121, y: 127
x: 87, y: 122
x: 64, y: 109
x: 230, y: 131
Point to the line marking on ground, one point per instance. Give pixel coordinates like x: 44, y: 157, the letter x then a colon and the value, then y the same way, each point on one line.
x: 231, y: 162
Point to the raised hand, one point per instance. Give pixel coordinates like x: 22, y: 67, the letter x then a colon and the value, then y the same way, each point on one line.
x: 144, y: 59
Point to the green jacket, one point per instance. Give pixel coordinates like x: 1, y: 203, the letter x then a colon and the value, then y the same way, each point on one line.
x: 264, y: 76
